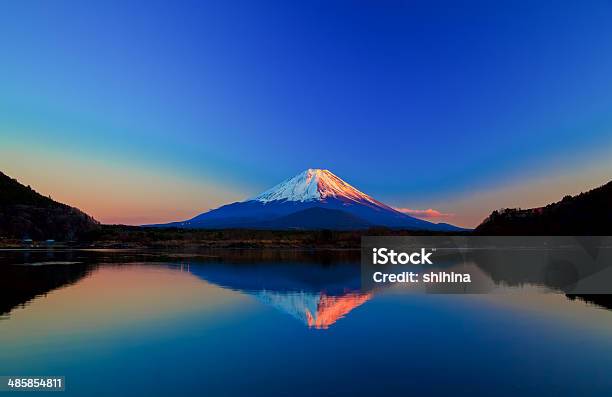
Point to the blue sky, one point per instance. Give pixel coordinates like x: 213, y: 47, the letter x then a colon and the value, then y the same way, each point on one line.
x: 413, y: 102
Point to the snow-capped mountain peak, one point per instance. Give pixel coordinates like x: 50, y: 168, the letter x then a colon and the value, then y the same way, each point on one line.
x: 313, y: 199
x: 313, y: 184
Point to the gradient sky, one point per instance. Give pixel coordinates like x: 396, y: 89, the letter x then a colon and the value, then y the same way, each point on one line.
x: 141, y: 112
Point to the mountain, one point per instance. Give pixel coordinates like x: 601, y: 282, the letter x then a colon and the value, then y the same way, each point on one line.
x: 318, y: 218
x: 26, y: 214
x: 313, y: 199
x: 587, y: 214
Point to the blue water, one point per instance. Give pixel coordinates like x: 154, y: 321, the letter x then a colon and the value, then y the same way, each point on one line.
x: 216, y: 328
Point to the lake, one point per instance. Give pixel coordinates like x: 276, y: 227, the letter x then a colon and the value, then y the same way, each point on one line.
x: 263, y: 323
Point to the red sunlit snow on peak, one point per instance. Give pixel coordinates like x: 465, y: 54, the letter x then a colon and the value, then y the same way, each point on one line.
x: 315, y: 184
x: 332, y: 308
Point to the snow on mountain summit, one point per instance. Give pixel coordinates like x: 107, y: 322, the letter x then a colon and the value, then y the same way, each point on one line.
x: 313, y: 184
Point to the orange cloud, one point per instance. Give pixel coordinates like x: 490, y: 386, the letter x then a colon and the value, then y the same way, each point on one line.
x: 425, y: 214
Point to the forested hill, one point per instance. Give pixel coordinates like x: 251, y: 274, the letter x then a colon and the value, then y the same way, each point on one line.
x: 588, y: 213
x: 24, y: 213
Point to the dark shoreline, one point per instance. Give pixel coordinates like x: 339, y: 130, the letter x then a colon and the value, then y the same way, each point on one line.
x: 135, y: 237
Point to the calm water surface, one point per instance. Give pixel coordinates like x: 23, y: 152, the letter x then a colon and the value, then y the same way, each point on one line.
x: 274, y: 323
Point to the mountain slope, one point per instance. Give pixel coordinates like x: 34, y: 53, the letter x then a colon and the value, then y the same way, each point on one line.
x: 317, y: 218
x: 26, y: 214
x: 312, y: 188
x: 588, y: 213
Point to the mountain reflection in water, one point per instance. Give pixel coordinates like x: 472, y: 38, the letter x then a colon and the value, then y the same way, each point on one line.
x: 316, y: 310
x: 238, y: 323
x: 316, y: 288
x: 315, y: 294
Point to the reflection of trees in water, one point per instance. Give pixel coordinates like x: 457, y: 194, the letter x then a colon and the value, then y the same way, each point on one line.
x: 601, y: 300
x: 581, y: 265
x: 563, y: 269
x: 21, y: 283
x: 331, y: 274
x: 25, y: 275
x: 558, y: 270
